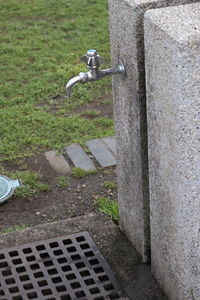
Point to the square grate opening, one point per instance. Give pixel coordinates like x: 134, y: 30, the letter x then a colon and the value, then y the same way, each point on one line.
x: 69, y: 267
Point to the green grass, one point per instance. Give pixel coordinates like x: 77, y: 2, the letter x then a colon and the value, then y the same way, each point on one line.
x: 93, y: 113
x: 62, y: 181
x: 109, y: 207
x: 80, y: 173
x: 41, y: 42
x: 55, y: 217
x: 32, y: 184
x: 15, y: 228
x: 109, y: 185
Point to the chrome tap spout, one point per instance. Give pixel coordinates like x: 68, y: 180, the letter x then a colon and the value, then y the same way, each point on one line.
x: 93, y: 61
x: 70, y: 84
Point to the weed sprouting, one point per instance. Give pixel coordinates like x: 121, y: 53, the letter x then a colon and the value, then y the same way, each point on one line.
x: 110, y: 185
x: 109, y: 207
x: 62, y: 181
x: 32, y: 184
x: 15, y: 228
x: 80, y: 173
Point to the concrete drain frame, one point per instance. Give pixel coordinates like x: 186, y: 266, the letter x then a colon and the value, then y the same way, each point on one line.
x: 67, y: 267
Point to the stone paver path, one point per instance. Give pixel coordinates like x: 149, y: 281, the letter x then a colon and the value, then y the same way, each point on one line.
x: 103, y: 150
x: 104, y: 157
x: 57, y: 162
x: 79, y: 158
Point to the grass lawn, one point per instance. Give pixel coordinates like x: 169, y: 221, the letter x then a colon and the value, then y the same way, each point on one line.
x: 41, y: 42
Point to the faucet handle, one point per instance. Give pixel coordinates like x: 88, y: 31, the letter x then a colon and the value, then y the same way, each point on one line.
x: 92, y: 59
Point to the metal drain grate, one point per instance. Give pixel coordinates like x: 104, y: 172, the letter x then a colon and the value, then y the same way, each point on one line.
x: 69, y: 267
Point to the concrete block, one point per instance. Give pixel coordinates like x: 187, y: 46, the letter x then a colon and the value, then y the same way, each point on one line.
x: 172, y: 42
x: 79, y: 158
x: 57, y: 162
x: 126, y: 36
x: 98, y: 149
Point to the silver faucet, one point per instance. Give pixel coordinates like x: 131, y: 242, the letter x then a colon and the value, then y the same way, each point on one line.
x: 93, y: 61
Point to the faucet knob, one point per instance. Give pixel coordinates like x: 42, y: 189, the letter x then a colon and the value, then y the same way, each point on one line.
x: 92, y: 53
x: 92, y: 59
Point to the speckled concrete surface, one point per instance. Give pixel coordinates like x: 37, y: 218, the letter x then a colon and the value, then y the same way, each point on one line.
x: 127, y: 43
x: 172, y: 40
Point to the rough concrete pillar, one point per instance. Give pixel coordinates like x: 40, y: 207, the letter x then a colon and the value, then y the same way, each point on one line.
x: 126, y: 36
x: 172, y: 53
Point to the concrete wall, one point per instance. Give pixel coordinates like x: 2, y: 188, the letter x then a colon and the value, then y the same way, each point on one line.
x: 172, y: 52
x: 126, y: 35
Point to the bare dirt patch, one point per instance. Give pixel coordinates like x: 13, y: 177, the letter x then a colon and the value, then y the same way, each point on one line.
x: 76, y: 199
